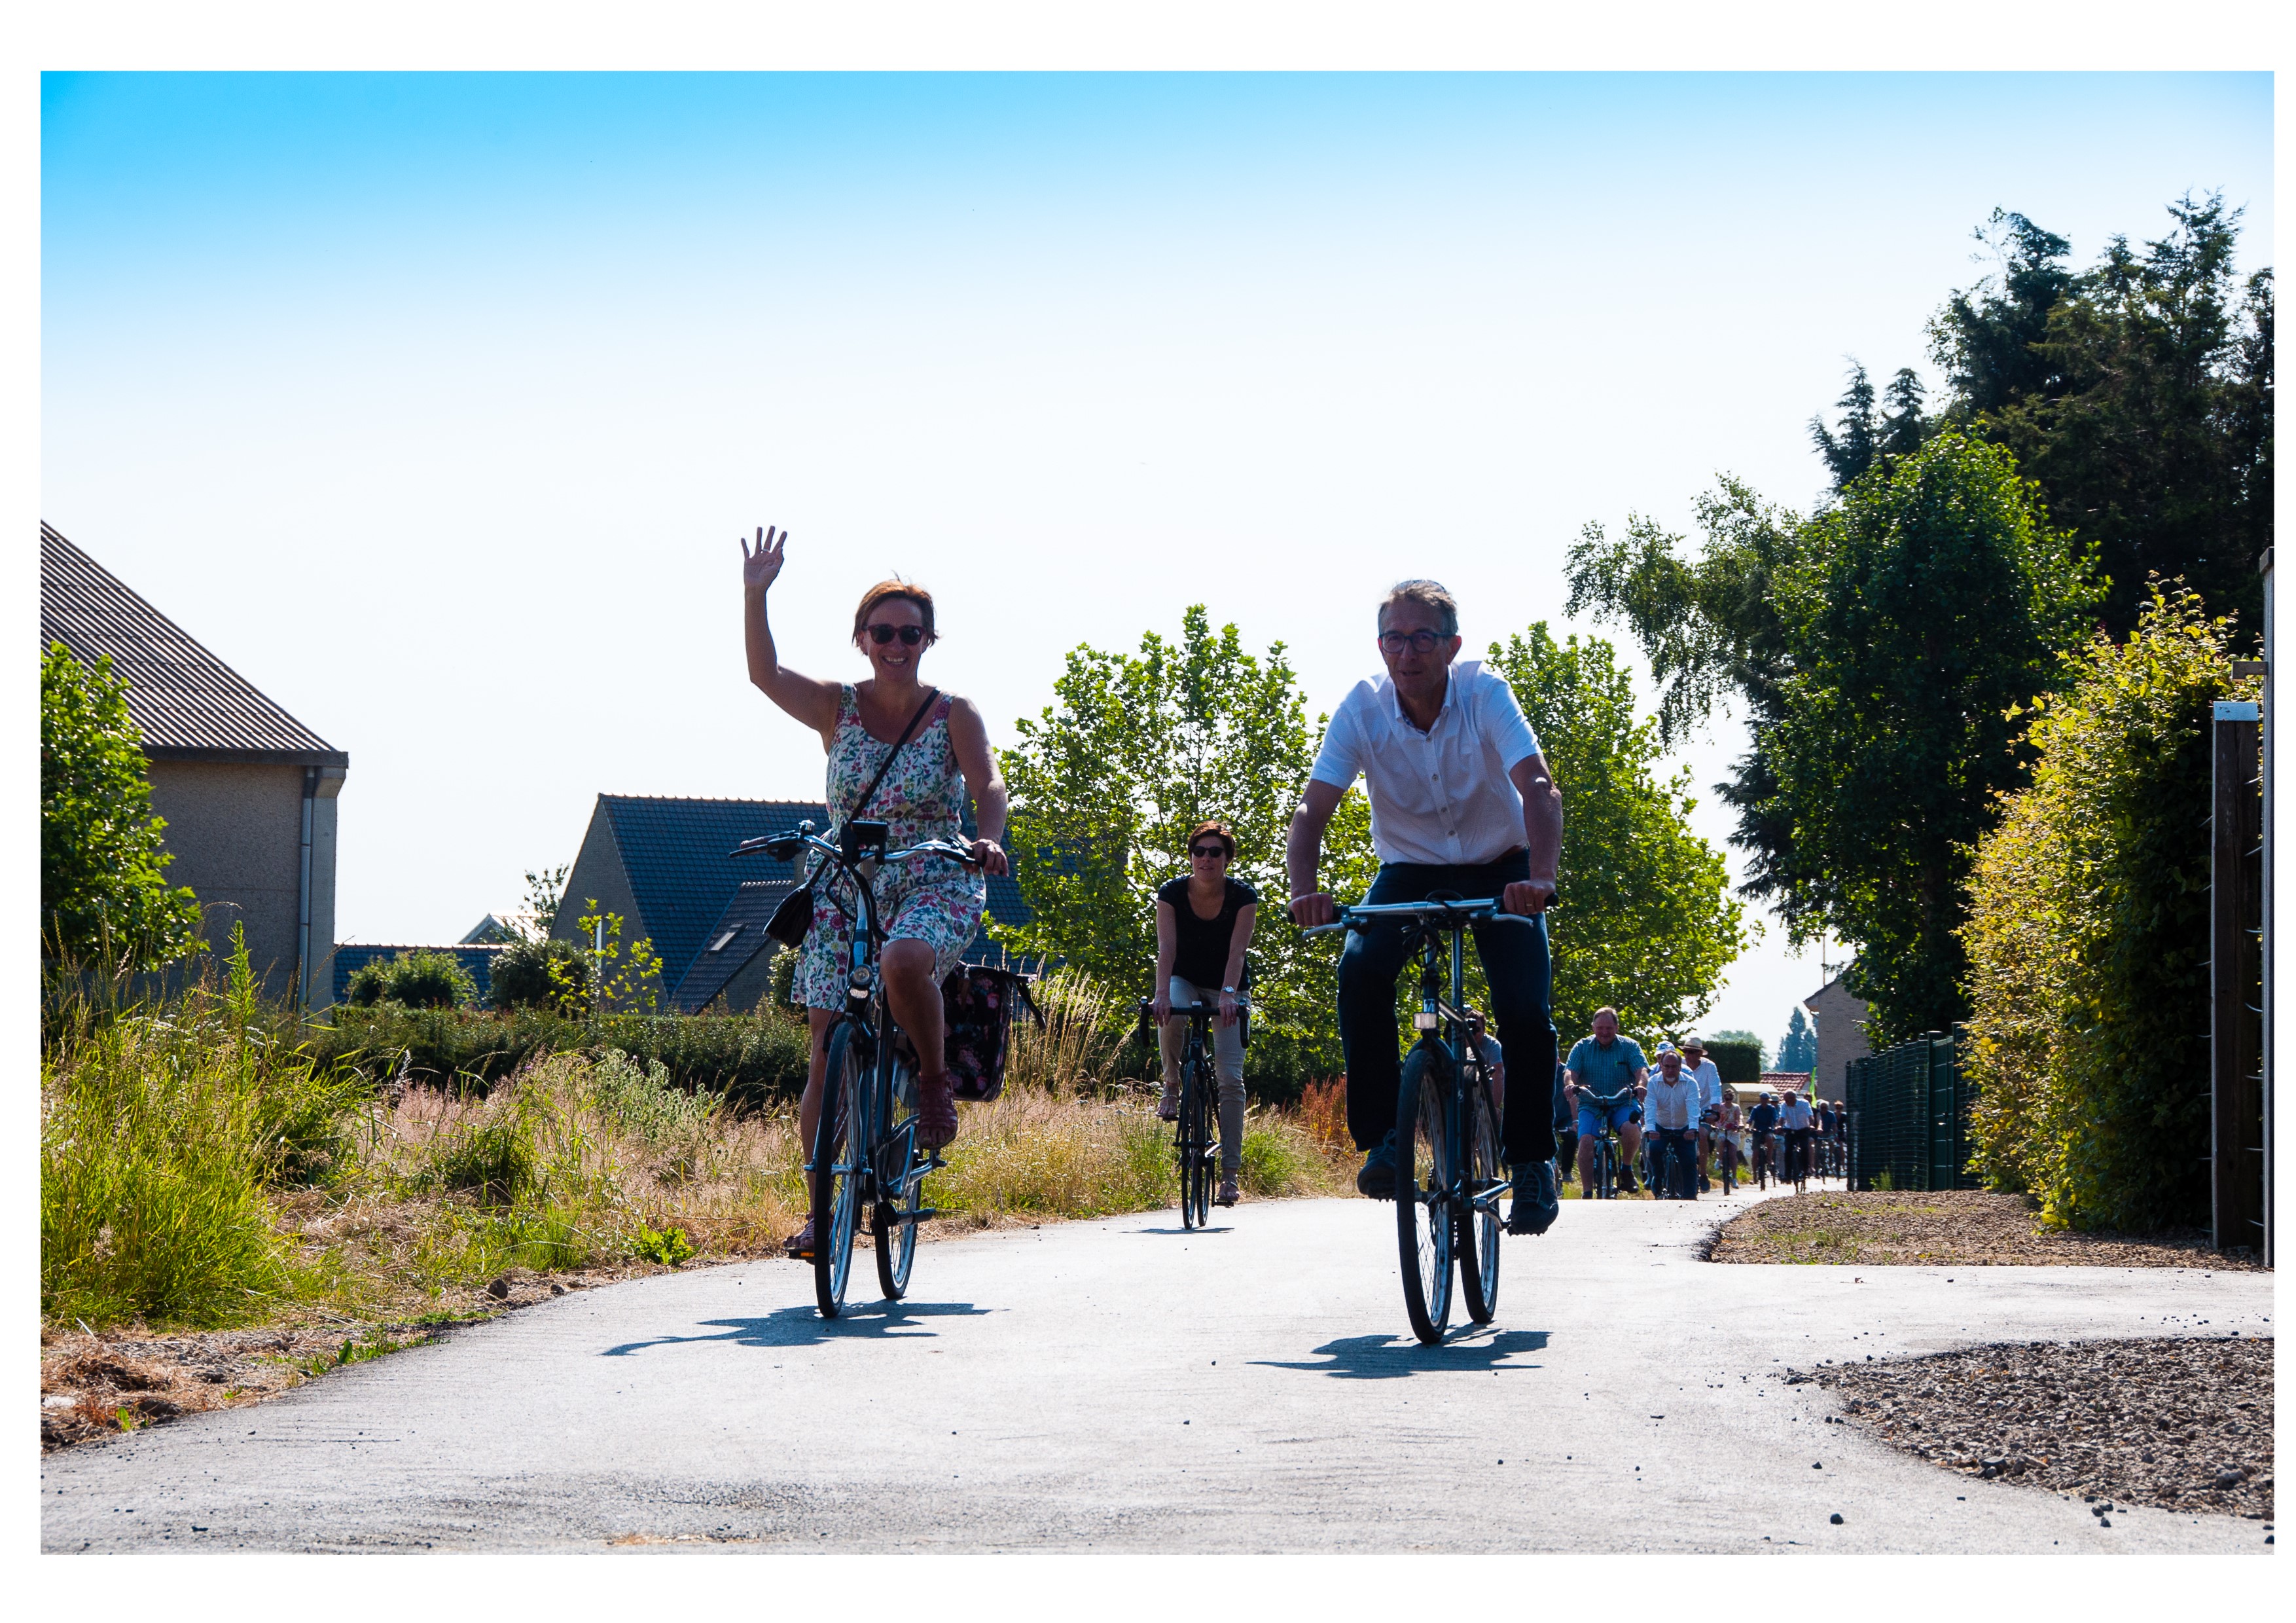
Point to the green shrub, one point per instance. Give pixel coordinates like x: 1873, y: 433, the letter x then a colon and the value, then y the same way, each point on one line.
x: 753, y: 1060
x: 1739, y: 1063
x: 2088, y: 941
x: 162, y: 1130
x: 520, y: 974
x: 415, y: 980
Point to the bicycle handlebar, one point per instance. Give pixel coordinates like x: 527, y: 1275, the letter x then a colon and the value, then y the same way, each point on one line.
x: 1451, y: 913
x: 786, y: 845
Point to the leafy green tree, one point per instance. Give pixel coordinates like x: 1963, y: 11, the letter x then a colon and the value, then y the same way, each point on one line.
x: 1646, y: 923
x: 1798, y: 1048
x: 104, y: 899
x: 1925, y: 607
x: 415, y: 980
x: 1136, y: 751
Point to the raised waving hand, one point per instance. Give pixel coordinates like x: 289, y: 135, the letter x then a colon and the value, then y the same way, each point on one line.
x: 759, y: 568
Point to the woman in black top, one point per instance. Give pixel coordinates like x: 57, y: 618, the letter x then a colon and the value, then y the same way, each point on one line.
x: 1203, y: 924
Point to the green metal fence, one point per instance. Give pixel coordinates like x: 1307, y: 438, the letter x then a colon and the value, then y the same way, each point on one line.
x: 1909, y: 1116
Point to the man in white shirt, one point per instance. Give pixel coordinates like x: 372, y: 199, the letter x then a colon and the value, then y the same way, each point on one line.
x: 1670, y: 1112
x: 1709, y: 1079
x: 1795, y: 1120
x: 1460, y: 801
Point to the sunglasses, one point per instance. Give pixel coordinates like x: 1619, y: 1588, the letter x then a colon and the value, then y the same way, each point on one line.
x: 910, y: 635
x: 1208, y: 851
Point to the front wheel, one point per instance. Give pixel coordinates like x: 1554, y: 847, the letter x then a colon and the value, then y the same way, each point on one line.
x: 1478, y: 1240
x: 837, y: 1173
x: 901, y: 1194
x: 1192, y: 1147
x: 1423, y: 1224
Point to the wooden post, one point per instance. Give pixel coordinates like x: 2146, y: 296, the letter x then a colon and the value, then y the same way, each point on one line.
x: 2235, y: 983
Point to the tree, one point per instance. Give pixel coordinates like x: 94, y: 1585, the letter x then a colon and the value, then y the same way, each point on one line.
x: 1798, y: 1048
x: 103, y: 896
x: 2088, y: 935
x: 2142, y: 407
x: 415, y: 980
x: 1646, y: 923
x: 1136, y: 751
x: 1926, y: 607
x: 1862, y: 441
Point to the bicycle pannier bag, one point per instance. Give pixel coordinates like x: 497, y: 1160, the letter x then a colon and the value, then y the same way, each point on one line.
x: 978, y: 1004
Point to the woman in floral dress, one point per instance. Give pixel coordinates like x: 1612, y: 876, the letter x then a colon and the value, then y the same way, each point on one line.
x: 929, y: 907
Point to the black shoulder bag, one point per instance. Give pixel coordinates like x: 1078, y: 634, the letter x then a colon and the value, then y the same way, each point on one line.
x: 794, y: 917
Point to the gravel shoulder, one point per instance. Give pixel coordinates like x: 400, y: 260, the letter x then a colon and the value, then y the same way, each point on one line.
x: 2181, y: 1422
x: 1955, y: 1228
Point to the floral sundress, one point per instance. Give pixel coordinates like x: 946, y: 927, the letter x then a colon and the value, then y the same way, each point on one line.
x: 927, y: 899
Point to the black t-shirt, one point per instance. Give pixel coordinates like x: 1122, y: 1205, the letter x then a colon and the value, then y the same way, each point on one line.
x: 1202, y: 944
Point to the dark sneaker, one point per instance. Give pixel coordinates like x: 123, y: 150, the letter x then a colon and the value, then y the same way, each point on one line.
x: 936, y: 1112
x: 1228, y: 1193
x: 1627, y: 1184
x: 1536, y: 1204
x: 1377, y: 1178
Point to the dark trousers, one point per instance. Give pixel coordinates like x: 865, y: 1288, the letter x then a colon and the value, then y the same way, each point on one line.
x: 1515, y: 963
x: 1674, y: 1163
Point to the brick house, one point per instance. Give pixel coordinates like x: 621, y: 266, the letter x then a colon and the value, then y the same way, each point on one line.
x: 248, y: 792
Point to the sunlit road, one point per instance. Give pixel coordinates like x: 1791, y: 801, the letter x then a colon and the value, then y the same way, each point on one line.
x: 1122, y: 1385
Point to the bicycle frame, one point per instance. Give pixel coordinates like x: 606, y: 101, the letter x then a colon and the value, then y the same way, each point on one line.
x: 1606, y: 1139
x: 877, y: 1166
x: 1460, y: 1204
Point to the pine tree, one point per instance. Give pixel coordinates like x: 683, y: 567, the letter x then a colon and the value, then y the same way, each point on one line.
x: 1798, y: 1048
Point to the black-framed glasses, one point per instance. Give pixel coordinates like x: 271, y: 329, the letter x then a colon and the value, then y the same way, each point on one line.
x: 1208, y: 851
x: 1418, y: 642
x: 910, y: 635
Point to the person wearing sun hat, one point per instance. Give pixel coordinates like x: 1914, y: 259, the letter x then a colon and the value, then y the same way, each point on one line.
x: 1703, y: 1071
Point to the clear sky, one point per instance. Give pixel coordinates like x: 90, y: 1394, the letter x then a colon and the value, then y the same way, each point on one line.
x: 435, y: 404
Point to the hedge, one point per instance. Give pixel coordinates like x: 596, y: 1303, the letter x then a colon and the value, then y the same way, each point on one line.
x: 2088, y: 941
x: 754, y: 1060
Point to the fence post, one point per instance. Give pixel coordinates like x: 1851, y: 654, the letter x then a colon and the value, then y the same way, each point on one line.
x: 2235, y: 983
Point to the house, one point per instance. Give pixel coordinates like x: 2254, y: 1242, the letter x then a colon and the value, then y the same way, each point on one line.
x: 1841, y: 1020
x: 248, y: 792
x: 663, y: 864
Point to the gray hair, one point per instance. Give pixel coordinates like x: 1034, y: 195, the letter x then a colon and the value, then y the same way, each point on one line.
x: 1429, y: 594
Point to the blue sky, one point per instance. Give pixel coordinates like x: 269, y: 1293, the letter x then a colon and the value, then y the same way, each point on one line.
x: 436, y: 402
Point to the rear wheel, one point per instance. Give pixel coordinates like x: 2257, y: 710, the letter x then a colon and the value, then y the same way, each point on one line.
x: 1606, y: 1168
x: 836, y: 1167
x: 900, y: 1183
x: 1479, y: 1222
x: 1424, y: 1224
x: 1189, y: 1144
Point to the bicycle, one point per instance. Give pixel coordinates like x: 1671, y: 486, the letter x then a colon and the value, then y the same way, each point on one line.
x: 866, y: 1153
x: 1196, y: 1150
x: 1607, y: 1159
x: 1448, y: 1171
x: 1766, y: 1158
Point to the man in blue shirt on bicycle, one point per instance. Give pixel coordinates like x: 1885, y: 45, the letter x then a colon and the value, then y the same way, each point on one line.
x: 1461, y: 801
x: 1606, y: 1066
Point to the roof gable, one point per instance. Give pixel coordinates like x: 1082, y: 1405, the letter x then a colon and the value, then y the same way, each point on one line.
x: 187, y: 703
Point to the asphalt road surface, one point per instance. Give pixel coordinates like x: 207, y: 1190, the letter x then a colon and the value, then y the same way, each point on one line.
x: 1122, y: 1385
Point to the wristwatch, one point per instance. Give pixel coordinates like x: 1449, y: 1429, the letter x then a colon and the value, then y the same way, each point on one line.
x: 1229, y: 990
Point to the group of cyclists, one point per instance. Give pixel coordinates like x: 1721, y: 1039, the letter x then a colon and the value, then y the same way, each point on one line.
x: 1463, y: 805
x: 1681, y: 1125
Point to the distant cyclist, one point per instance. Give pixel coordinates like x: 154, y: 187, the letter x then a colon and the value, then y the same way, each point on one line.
x: 1463, y: 802
x: 1203, y: 924
x: 1607, y: 1066
x: 1795, y: 1120
x: 1762, y: 1120
x: 1703, y: 1071
x: 1670, y: 1113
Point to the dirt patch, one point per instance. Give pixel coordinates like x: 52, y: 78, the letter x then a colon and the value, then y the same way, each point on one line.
x: 1965, y: 1228
x: 2182, y: 1422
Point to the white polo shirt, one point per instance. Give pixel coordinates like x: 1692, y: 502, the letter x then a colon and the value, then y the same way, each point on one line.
x: 1442, y: 796
x: 1709, y: 1083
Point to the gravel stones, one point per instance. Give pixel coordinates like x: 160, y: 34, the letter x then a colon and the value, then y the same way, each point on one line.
x: 1948, y: 1228
x: 2181, y: 1422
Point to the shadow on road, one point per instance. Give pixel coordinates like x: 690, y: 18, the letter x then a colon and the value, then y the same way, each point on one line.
x: 1389, y: 1357
x: 804, y: 1326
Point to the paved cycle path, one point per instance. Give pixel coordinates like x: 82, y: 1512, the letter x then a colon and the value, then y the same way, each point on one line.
x: 1122, y: 1385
